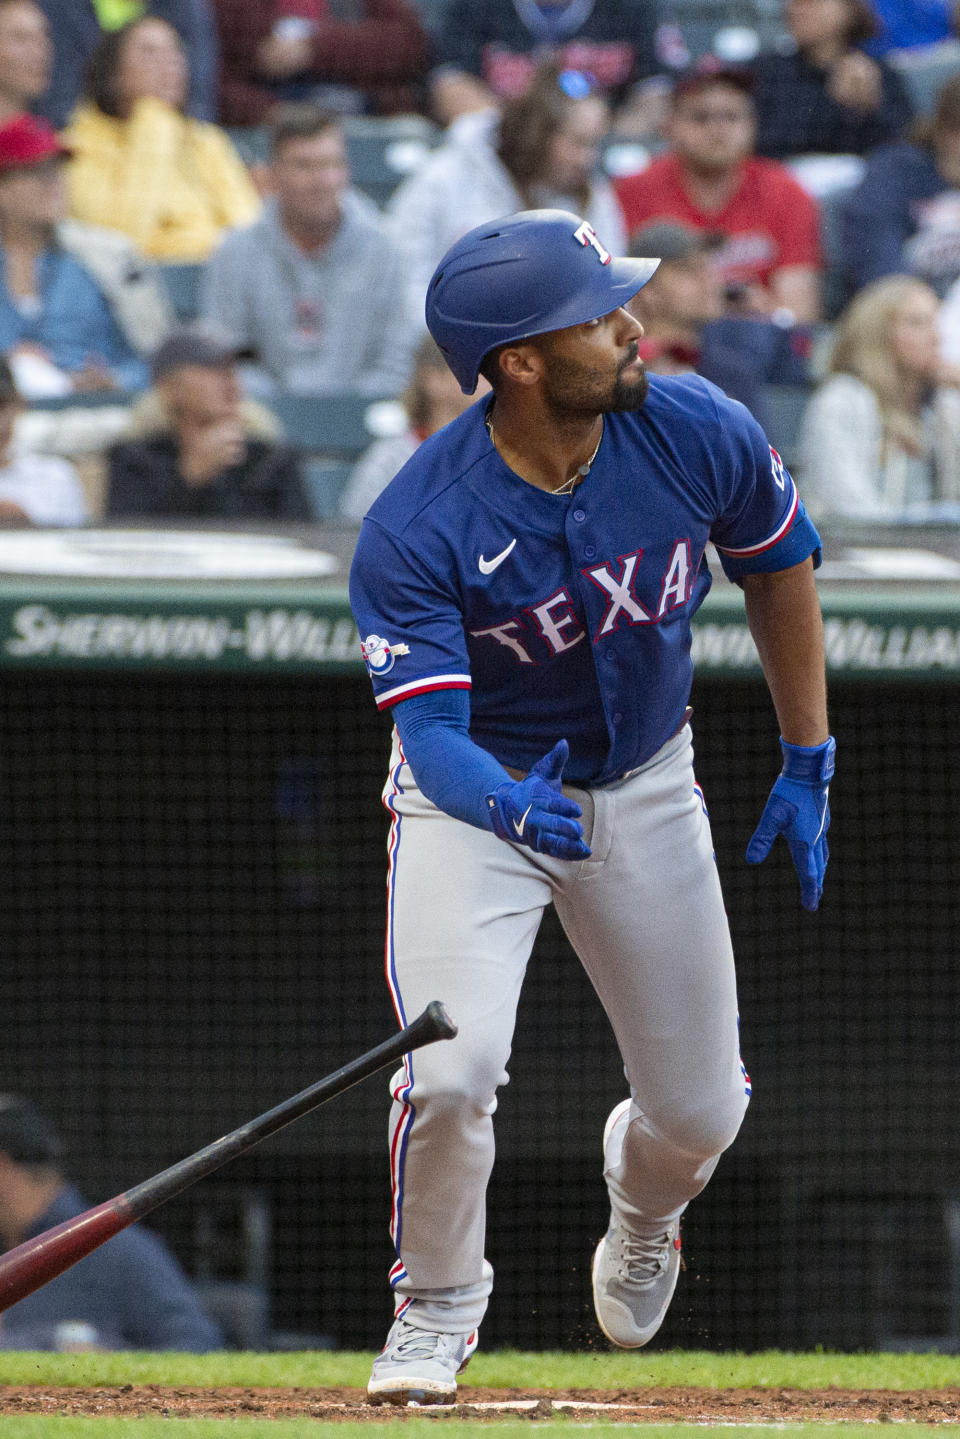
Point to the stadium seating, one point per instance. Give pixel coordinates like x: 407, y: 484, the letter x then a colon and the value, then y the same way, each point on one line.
x: 232, y: 1268
x: 335, y: 426
x: 783, y: 406
x: 331, y: 432
x: 324, y: 481
x: 183, y: 287
x: 252, y: 143
x: 383, y: 151
x: 925, y: 70
x: 733, y: 30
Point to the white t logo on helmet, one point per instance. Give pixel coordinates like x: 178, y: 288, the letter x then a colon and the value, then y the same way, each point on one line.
x: 587, y: 235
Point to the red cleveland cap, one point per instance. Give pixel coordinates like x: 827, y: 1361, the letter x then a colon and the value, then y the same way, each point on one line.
x: 708, y: 70
x: 26, y: 140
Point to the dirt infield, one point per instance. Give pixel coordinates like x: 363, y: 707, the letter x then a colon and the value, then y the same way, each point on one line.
x: 933, y: 1406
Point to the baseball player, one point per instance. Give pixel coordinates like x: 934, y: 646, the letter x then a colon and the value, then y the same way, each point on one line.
x: 524, y: 588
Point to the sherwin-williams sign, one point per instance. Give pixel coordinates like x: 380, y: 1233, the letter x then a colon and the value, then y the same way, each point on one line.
x: 260, y: 602
x: 222, y: 629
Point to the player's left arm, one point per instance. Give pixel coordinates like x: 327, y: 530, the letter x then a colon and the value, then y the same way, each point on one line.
x: 768, y: 545
x: 783, y: 613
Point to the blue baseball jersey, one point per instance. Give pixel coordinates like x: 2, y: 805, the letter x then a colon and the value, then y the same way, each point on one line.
x: 568, y: 616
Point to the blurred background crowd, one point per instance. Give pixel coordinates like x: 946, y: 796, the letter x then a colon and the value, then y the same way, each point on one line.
x: 218, y: 219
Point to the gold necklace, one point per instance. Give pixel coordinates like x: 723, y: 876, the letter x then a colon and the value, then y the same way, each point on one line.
x: 568, y: 486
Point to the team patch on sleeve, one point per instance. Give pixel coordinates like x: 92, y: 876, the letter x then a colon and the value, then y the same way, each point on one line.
x: 380, y: 655
x: 778, y: 470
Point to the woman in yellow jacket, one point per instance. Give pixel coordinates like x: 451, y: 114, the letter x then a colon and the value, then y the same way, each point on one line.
x: 140, y: 165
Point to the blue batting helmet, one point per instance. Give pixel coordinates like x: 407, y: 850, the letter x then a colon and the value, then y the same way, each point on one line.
x: 520, y: 276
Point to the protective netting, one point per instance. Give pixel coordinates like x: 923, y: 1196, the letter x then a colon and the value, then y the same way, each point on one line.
x: 192, y: 877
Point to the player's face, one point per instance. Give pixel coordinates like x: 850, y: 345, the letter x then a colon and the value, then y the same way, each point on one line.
x: 594, y: 368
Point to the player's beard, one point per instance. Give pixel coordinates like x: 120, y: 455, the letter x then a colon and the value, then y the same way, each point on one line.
x: 570, y: 387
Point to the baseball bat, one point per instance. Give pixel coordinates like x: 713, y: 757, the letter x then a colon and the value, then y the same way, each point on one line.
x: 38, y: 1260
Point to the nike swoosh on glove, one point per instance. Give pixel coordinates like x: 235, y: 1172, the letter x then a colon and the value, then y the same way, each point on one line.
x: 798, y: 808
x: 535, y: 812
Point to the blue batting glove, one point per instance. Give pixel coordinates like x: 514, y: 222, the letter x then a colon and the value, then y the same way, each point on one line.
x: 535, y: 812
x: 798, y: 809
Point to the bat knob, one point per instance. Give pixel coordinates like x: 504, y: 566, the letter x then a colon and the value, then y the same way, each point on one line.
x: 443, y: 1025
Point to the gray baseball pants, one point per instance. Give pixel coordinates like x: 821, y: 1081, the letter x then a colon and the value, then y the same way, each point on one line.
x: 645, y: 916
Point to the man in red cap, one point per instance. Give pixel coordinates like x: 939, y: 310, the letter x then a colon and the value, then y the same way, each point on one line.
x: 57, y: 325
x: 711, y: 179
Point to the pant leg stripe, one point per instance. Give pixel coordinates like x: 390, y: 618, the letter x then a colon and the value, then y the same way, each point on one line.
x: 398, y: 1148
x: 398, y: 1151
x: 393, y: 845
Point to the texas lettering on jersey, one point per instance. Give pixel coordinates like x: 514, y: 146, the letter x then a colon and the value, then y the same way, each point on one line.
x: 547, y: 629
x: 571, y: 612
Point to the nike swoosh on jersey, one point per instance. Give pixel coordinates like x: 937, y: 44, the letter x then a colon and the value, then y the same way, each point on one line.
x: 518, y: 824
x: 487, y: 567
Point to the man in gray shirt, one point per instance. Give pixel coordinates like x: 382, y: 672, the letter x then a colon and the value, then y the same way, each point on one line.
x: 313, y: 290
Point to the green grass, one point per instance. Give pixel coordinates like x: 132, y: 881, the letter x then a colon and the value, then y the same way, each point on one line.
x: 503, y: 1369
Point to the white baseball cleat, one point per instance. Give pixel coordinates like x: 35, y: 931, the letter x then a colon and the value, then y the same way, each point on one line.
x: 418, y: 1366
x: 634, y: 1273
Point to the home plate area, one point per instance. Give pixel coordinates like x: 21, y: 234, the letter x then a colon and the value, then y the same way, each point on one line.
x: 654, y: 1405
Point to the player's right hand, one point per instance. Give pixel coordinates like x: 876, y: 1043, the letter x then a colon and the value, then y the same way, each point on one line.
x: 535, y: 812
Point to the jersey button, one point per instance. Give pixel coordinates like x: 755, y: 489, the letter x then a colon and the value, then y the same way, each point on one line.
x: 617, y: 717
x: 589, y: 551
x: 579, y: 516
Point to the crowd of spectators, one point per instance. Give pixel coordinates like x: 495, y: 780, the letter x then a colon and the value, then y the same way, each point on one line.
x: 144, y: 138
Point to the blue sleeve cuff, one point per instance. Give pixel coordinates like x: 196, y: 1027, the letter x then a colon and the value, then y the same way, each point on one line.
x: 452, y: 771
x: 799, y: 543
